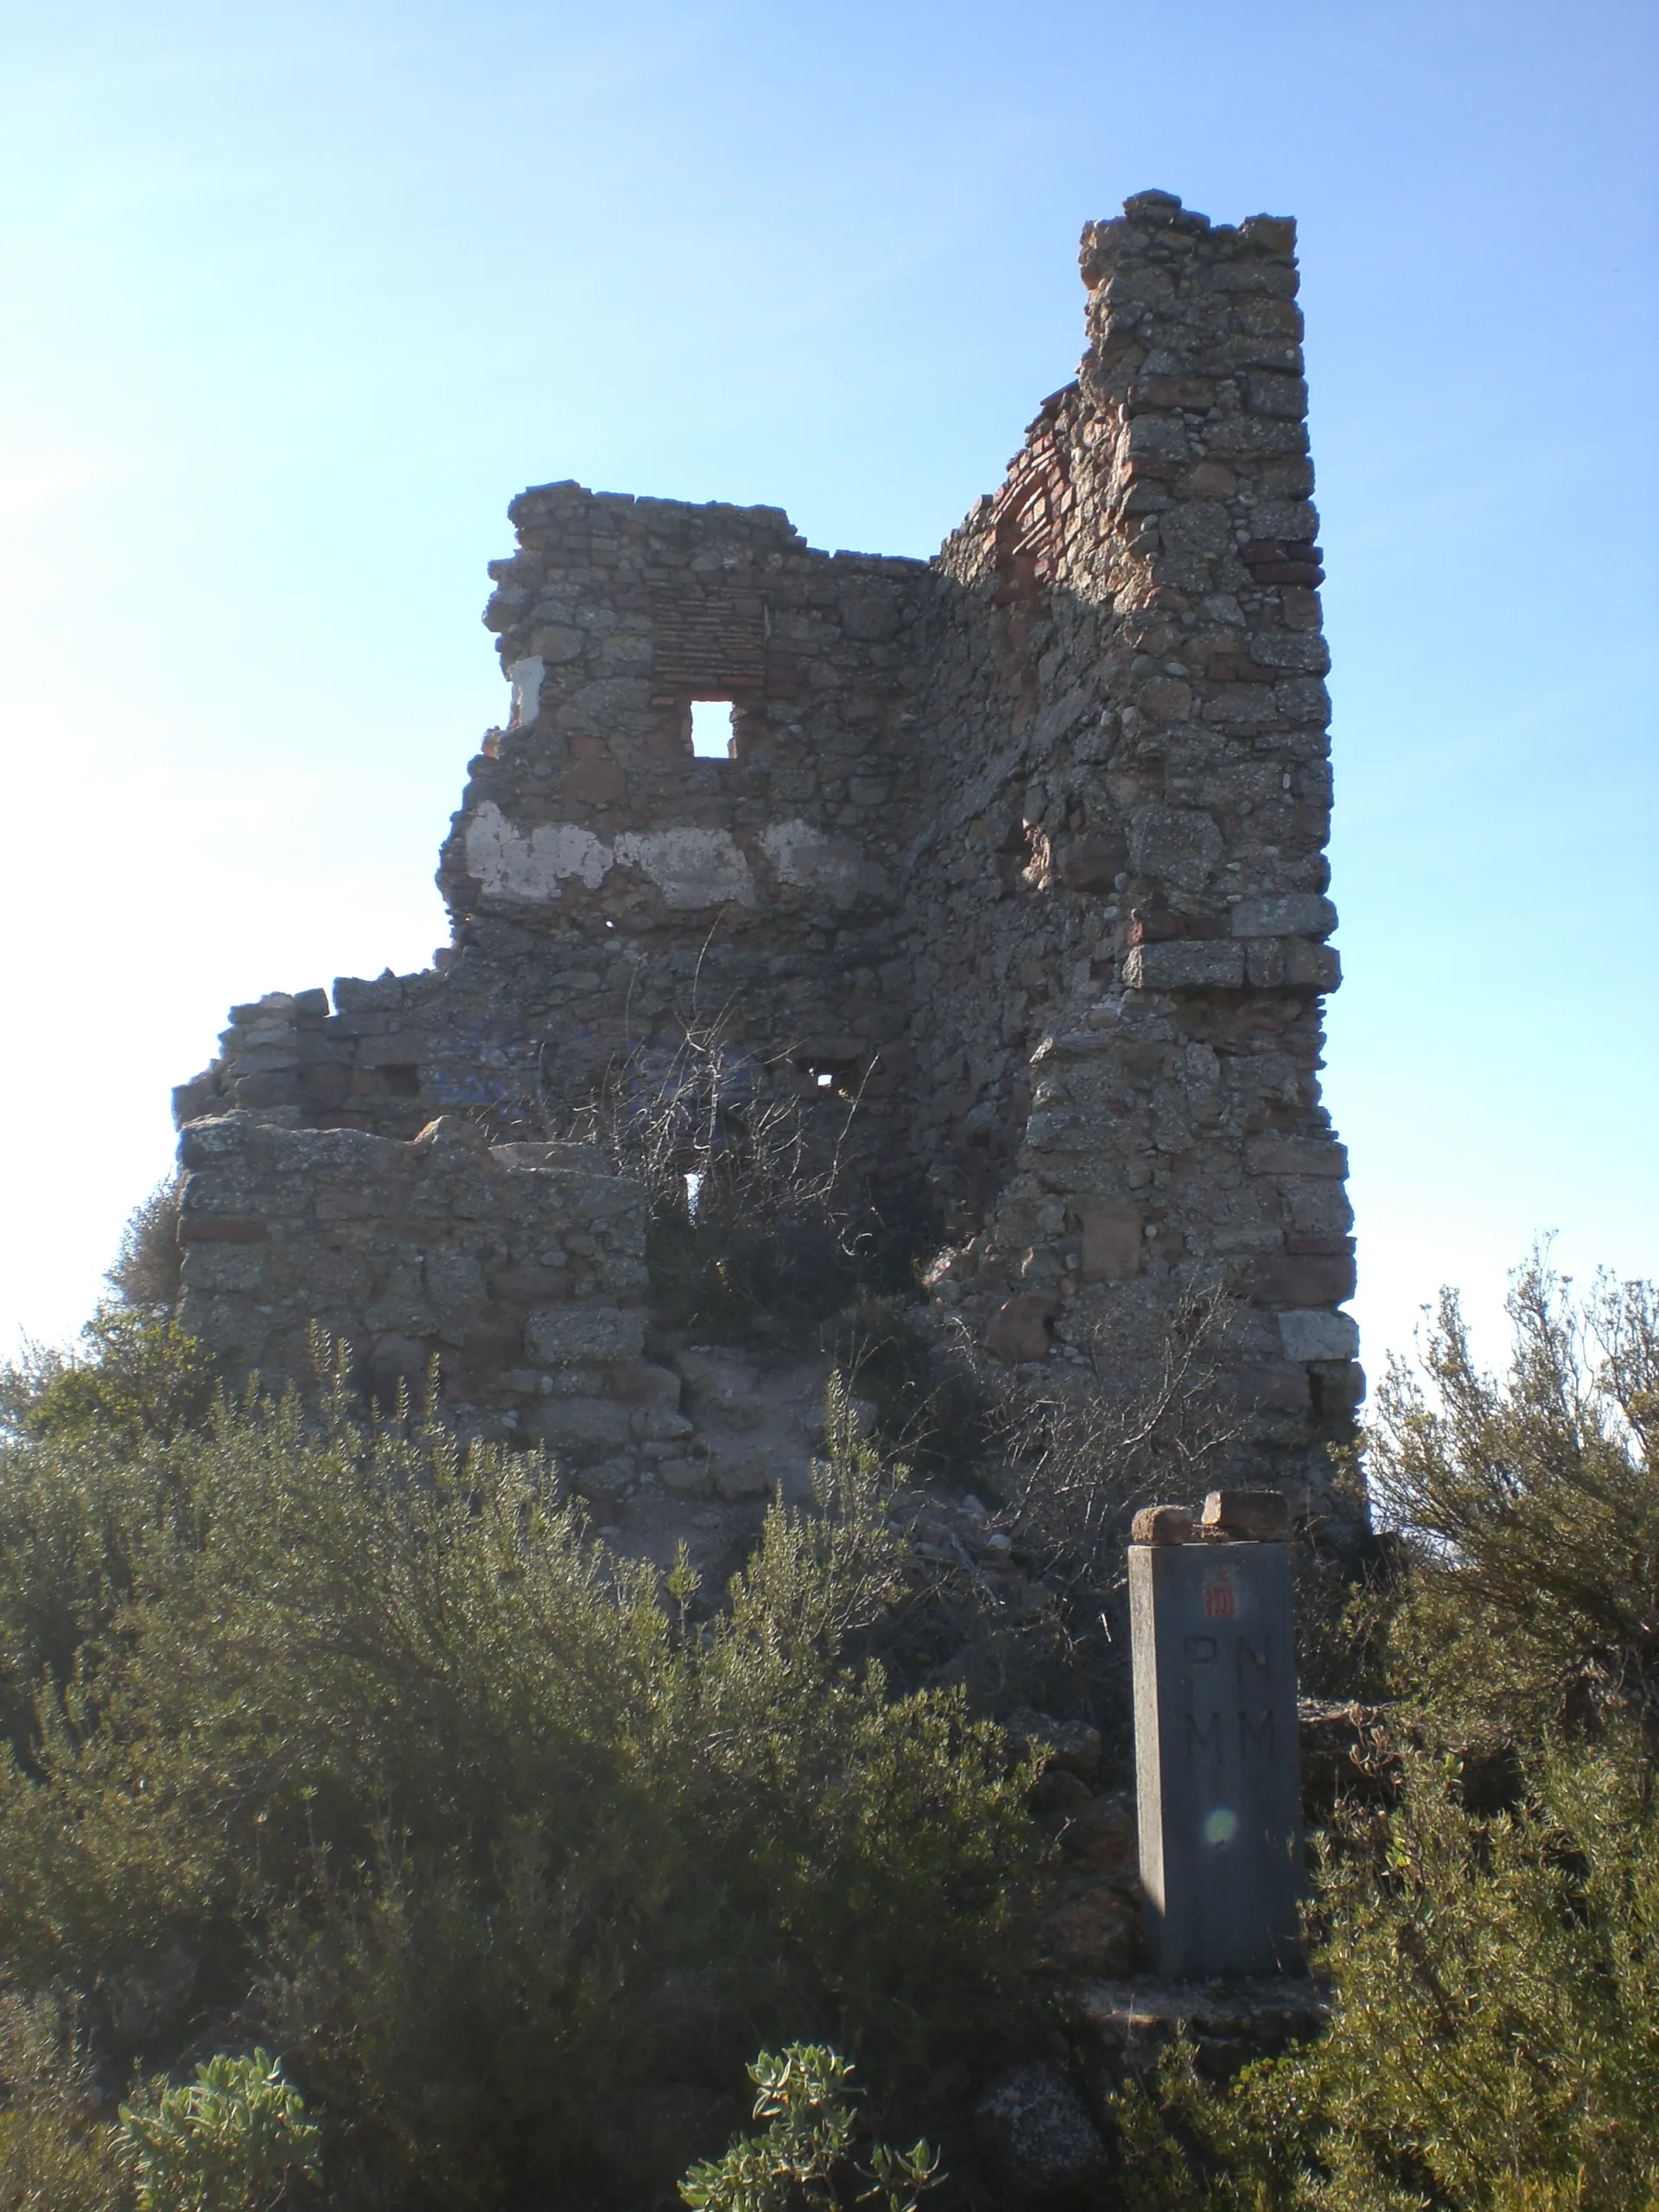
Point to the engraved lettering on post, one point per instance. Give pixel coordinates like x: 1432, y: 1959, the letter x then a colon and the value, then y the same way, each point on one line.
x: 1207, y: 1738
x: 1258, y: 1731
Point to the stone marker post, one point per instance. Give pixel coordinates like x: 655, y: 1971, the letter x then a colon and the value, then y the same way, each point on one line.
x: 1218, y: 1778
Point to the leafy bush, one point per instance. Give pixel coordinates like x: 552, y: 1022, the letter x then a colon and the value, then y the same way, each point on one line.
x: 1530, y: 1511
x: 1496, y: 2037
x: 1495, y: 2042
x: 85, y: 1494
x: 55, y: 2152
x: 482, y: 1828
x: 148, y: 1264
x: 229, y: 2143
x: 137, y: 1375
x: 806, y: 2155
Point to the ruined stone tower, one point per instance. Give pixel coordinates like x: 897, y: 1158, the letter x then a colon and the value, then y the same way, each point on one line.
x: 1023, y: 847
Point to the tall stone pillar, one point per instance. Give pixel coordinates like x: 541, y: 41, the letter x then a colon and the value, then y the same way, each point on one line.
x: 1217, y: 1761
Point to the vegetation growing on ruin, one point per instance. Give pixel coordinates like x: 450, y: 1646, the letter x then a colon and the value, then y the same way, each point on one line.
x: 1495, y: 2042
x: 342, y: 1740
x: 335, y: 1741
x: 1495, y: 2034
x: 765, y: 1220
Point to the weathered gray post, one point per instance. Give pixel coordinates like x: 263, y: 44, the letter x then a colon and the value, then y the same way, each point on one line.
x: 1218, y: 1778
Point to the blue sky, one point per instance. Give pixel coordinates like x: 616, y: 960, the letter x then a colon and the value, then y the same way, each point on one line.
x: 298, y: 296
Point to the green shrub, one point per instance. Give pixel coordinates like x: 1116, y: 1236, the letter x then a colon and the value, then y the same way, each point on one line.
x: 137, y: 1376
x: 481, y: 1826
x: 85, y: 1494
x: 1530, y: 1508
x: 806, y: 2155
x: 230, y: 2142
x: 147, y: 1269
x: 1495, y: 2041
x: 56, y: 2153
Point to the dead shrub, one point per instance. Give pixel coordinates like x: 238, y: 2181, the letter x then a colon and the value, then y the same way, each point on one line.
x: 764, y: 1221
x: 1032, y: 1609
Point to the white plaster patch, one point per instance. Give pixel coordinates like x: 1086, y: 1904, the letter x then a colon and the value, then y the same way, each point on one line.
x: 533, y: 866
x: 690, y: 867
x: 525, y: 676
x: 833, y: 866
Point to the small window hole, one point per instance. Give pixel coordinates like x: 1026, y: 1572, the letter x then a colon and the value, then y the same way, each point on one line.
x: 835, y: 1079
x: 712, y: 737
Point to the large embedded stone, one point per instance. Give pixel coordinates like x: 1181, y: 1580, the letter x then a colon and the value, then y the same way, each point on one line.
x: 1069, y: 1746
x: 566, y: 1334
x: 1163, y: 1524
x: 1291, y: 914
x: 1020, y: 1329
x: 1311, y: 966
x: 1302, y: 1279
x: 1177, y: 842
x: 581, y: 1426
x: 1102, y: 1836
x: 1038, y: 2135
x: 1314, y: 1334
x: 1093, y: 1933
x: 1113, y: 1243
x: 1091, y: 864
x: 454, y: 1283
x: 717, y: 1379
x: 658, y: 1425
x: 1256, y: 1516
x: 740, y: 1474
x: 1183, y: 964
x: 1275, y: 1155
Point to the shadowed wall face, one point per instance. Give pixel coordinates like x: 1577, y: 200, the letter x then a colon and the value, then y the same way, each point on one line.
x: 1022, y: 850
x: 1218, y: 1774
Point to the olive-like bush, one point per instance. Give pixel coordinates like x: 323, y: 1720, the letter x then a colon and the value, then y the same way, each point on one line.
x: 1528, y: 1506
x: 1495, y: 2041
x: 361, y: 1744
x: 1494, y: 2045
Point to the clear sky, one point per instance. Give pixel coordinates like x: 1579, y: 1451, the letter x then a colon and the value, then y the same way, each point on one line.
x: 295, y: 294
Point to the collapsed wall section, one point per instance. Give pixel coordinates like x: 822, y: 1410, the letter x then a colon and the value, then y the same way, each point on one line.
x: 609, y: 889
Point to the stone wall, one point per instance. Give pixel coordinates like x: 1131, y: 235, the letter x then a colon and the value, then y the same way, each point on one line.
x: 1119, y: 892
x: 1022, y: 850
x: 609, y: 888
x: 518, y: 1268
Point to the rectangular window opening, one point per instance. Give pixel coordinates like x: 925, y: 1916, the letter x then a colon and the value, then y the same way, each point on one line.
x: 712, y: 737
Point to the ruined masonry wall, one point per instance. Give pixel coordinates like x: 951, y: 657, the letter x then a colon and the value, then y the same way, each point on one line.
x: 1119, y: 911
x: 609, y: 888
x: 1024, y: 847
x: 517, y: 1265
